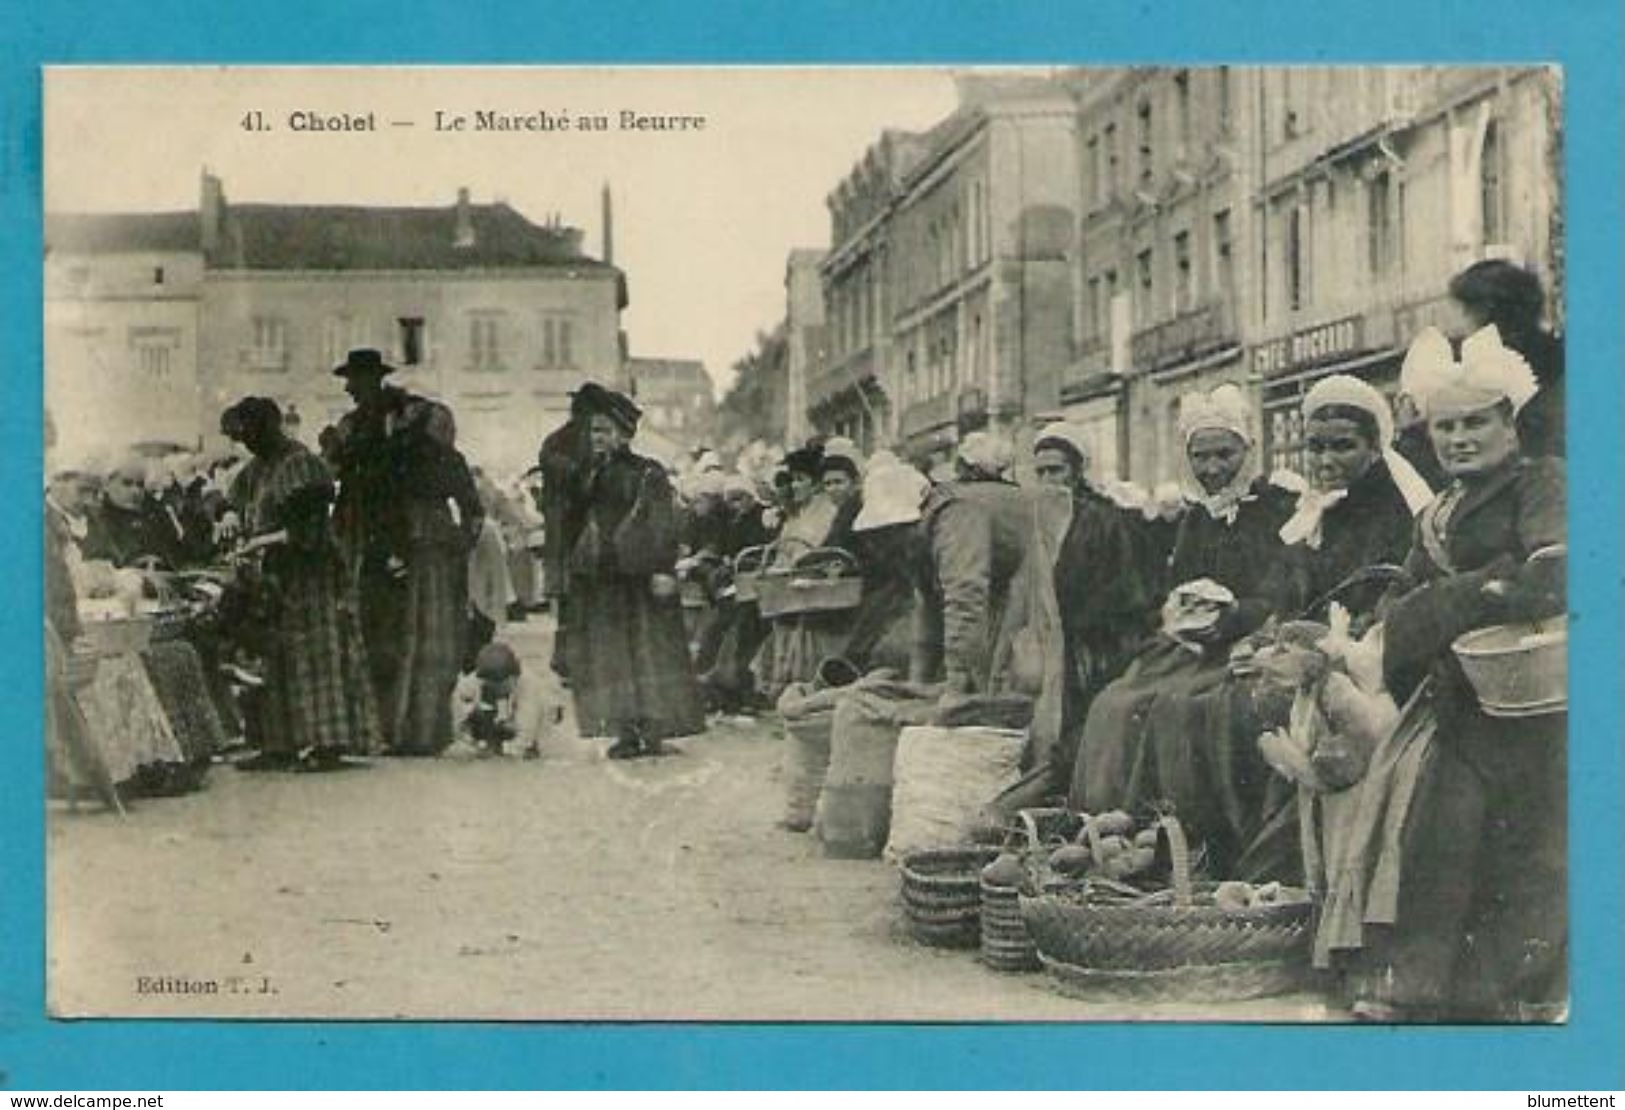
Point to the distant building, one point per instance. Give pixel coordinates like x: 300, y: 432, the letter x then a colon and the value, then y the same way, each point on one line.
x: 809, y: 394
x: 1164, y: 166
x: 122, y: 298
x: 677, y: 398
x: 160, y: 321
x: 473, y: 303
x: 1376, y: 186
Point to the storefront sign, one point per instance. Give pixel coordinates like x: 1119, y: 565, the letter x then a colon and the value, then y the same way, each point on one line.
x: 1310, y: 347
x: 1181, y: 338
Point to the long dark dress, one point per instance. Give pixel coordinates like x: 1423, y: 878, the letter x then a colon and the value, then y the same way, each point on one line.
x: 1177, y: 726
x: 1453, y: 898
x: 627, y: 653
x: 317, y: 693
x: 1371, y: 526
x: 399, y: 473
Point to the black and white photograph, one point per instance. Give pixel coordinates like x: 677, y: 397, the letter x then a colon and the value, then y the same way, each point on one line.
x: 828, y: 544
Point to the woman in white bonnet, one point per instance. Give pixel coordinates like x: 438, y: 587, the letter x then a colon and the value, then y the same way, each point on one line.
x: 1450, y: 900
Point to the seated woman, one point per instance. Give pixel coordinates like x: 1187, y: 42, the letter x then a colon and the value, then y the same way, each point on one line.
x: 1449, y: 901
x: 1176, y: 726
x: 1105, y: 594
x: 1357, y: 513
x: 841, y: 476
x: 126, y: 527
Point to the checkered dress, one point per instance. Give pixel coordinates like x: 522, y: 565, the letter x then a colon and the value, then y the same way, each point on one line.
x: 317, y: 693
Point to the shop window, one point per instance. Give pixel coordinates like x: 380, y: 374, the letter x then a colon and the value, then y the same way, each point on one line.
x: 410, y: 339
x: 270, y: 343
x: 1182, y: 110
x: 1296, y: 273
x: 484, y: 342
x: 1492, y: 201
x: 1143, y: 278
x: 1379, y: 224
x: 1224, y: 262
x: 157, y: 275
x: 1184, y: 292
x: 1143, y: 134
x: 1113, y: 184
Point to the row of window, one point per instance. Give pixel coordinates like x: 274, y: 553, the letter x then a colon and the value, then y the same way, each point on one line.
x: 491, y: 340
x: 1170, y: 105
x: 1288, y: 245
x: 1183, y: 288
x: 934, y: 363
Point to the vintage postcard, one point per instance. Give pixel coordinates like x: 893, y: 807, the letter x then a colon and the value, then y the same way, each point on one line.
x: 806, y: 544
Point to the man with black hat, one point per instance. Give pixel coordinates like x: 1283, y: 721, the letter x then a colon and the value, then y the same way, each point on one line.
x: 627, y: 651
x: 407, y: 515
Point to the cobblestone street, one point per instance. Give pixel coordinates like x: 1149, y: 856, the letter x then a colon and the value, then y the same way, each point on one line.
x: 563, y: 888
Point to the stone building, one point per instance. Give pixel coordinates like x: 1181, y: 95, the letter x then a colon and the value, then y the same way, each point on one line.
x: 473, y: 303
x: 122, y: 297
x: 156, y: 322
x: 812, y: 402
x: 1161, y: 270
x: 677, y: 399
x: 1376, y: 185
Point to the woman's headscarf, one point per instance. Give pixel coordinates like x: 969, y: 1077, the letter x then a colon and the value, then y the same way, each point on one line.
x: 1487, y: 374
x: 1071, y: 438
x: 986, y: 454
x: 1224, y: 409
x: 1348, y: 392
x: 893, y: 493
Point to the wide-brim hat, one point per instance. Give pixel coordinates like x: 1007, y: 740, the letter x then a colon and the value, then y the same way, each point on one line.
x: 595, y: 400
x: 362, y: 362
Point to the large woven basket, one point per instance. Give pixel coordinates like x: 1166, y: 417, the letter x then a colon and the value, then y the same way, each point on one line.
x: 942, y: 896
x: 1518, y: 670
x: 748, y: 566
x: 1169, y: 944
x: 1006, y: 944
x: 823, y: 580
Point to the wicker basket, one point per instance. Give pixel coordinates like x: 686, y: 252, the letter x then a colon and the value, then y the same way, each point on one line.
x: 942, y: 894
x: 1518, y: 670
x: 1006, y: 944
x: 821, y: 581
x: 1170, y: 944
x: 748, y: 566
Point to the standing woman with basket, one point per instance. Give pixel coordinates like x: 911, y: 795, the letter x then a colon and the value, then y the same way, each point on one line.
x: 627, y: 653
x: 317, y: 704
x: 1449, y: 901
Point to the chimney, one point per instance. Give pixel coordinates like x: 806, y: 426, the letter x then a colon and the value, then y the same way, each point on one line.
x: 609, y: 228
x: 464, y: 237
x: 211, y: 212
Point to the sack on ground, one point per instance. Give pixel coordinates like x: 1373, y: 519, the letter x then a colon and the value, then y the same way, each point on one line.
x: 943, y: 777
x: 809, y: 717
x: 854, y: 808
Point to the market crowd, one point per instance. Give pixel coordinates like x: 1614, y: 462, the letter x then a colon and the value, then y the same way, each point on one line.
x: 1270, y: 654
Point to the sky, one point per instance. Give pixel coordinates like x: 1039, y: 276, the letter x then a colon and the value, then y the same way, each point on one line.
x: 703, y: 219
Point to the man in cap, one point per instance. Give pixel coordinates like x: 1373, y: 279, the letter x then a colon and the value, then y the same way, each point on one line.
x: 400, y: 475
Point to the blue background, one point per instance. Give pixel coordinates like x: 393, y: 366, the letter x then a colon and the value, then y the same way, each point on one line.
x: 1582, y: 35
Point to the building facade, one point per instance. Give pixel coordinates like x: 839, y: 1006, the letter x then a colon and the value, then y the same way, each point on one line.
x: 677, y: 399
x: 1161, y: 270
x: 472, y: 303
x: 1377, y: 185
x: 980, y: 249
x: 157, y: 323
x: 810, y: 403
x: 121, y: 315
x: 1097, y: 243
